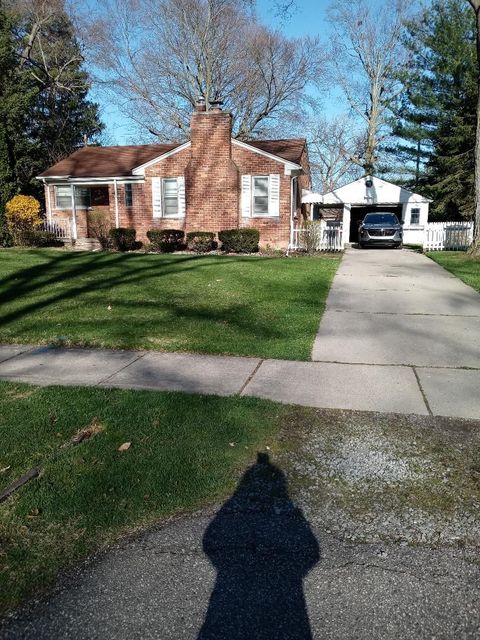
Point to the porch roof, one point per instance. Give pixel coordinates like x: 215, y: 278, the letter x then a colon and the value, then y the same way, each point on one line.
x: 105, y: 162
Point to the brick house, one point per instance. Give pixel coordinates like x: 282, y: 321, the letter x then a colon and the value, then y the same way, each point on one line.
x: 210, y: 183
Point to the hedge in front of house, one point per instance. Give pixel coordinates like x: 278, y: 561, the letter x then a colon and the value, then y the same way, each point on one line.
x: 123, y: 238
x: 239, y: 240
x: 166, y: 240
x: 201, y: 241
x: 39, y: 238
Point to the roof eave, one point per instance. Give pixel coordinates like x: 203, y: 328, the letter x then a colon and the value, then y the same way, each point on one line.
x: 289, y: 165
x: 140, y: 170
x: 78, y: 179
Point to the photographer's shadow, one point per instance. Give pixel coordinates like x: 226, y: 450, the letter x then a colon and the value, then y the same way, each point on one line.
x: 262, y: 548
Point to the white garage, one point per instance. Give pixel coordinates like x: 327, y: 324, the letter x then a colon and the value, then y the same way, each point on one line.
x: 349, y: 205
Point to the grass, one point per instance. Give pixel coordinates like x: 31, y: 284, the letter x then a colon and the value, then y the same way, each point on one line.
x: 251, y: 306
x: 185, y: 451
x: 460, y: 264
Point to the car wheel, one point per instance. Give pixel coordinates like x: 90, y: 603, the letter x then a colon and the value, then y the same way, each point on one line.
x: 399, y: 246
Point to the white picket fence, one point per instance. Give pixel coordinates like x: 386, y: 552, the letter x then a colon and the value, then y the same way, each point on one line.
x: 61, y: 227
x: 325, y: 237
x: 448, y: 236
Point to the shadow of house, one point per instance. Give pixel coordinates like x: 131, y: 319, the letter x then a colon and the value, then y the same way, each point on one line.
x: 262, y: 548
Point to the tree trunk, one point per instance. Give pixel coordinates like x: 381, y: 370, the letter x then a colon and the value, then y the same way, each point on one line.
x: 475, y: 250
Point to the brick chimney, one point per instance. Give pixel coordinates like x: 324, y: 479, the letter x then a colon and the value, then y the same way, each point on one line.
x: 211, y: 177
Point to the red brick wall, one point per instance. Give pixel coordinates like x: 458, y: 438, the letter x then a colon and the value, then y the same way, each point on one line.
x: 273, y: 231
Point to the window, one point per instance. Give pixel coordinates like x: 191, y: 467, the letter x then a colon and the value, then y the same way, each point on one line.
x: 128, y: 195
x: 414, y: 216
x: 260, y: 196
x: 99, y: 196
x: 170, y: 197
x: 63, y: 197
x: 380, y: 218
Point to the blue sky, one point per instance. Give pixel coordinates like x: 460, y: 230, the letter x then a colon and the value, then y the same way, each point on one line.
x: 309, y: 18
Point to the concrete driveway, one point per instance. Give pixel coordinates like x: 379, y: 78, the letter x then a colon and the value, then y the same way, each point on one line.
x: 398, y: 308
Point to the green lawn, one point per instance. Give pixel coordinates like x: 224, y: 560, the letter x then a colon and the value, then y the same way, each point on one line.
x: 185, y: 451
x: 460, y: 264
x: 252, y: 306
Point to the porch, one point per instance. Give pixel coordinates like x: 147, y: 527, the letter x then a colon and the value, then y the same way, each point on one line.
x: 70, y: 200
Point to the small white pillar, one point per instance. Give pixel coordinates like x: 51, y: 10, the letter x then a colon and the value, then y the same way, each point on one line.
x: 49, y: 202
x: 347, y: 211
x: 115, y: 192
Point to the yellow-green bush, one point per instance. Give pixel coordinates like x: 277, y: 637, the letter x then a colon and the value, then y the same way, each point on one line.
x: 22, y: 215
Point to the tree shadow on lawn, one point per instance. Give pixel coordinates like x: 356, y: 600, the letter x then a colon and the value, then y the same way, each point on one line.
x: 128, y: 270
x: 67, y: 267
x: 262, y: 548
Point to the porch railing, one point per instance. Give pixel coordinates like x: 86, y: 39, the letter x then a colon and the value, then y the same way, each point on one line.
x: 61, y: 227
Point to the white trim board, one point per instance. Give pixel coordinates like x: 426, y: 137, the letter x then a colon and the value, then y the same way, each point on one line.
x: 288, y: 164
x: 64, y: 180
x: 140, y: 170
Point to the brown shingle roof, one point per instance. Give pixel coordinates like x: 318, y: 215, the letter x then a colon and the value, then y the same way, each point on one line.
x: 290, y: 149
x: 103, y: 162
x: 106, y: 162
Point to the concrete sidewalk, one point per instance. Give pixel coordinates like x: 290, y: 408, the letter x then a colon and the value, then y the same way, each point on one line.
x: 365, y: 387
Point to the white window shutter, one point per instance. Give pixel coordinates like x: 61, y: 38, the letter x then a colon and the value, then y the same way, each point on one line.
x: 181, y: 195
x: 157, y: 197
x: 274, y: 195
x: 246, y: 196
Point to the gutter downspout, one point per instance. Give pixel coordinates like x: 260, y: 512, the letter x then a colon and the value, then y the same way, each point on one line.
x: 117, y: 217
x: 74, y: 215
x: 290, y: 245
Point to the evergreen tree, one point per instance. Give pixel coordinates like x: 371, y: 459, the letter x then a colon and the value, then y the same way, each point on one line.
x: 17, y: 97
x: 436, y: 113
x: 45, y: 113
x: 63, y: 117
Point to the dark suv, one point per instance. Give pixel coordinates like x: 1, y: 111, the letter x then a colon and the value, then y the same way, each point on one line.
x: 380, y: 229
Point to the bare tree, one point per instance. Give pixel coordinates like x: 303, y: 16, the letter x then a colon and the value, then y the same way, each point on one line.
x: 52, y: 61
x: 367, y: 50
x: 158, y: 57
x: 475, y: 4
x: 334, y: 149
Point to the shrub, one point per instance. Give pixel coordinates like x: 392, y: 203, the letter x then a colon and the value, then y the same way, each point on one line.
x: 123, y: 239
x: 201, y: 241
x: 312, y: 235
x: 165, y: 240
x: 39, y: 238
x: 22, y: 215
x: 99, y: 227
x: 239, y: 240
x: 5, y: 236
